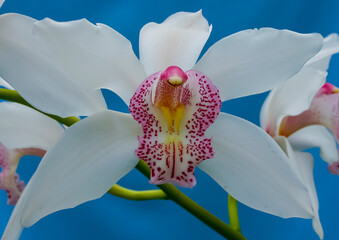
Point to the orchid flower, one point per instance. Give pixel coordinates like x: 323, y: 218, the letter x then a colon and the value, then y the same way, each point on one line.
x: 175, y: 122
x: 23, y: 131
x: 303, y: 107
x: 297, y: 113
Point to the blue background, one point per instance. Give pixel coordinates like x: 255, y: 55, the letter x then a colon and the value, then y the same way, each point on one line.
x: 114, y: 218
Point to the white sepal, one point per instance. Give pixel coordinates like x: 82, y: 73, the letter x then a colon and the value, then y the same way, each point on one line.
x: 255, y: 61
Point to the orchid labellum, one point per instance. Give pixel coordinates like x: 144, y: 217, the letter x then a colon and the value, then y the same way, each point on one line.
x: 23, y: 131
x: 297, y: 114
x: 175, y: 122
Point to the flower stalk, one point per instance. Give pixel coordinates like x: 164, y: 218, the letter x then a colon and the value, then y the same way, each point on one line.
x: 195, y: 209
x: 233, y: 213
x: 14, y: 96
x: 129, y: 194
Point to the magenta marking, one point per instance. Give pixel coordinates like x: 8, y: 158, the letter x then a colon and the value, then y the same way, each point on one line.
x: 173, y: 160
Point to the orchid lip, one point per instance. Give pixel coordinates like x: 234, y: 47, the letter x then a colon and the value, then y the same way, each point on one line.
x: 174, y: 117
x: 9, y: 179
x: 322, y: 111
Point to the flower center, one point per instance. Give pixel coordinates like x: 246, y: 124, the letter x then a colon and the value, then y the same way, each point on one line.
x: 175, y: 108
x: 167, y: 97
x: 324, y: 110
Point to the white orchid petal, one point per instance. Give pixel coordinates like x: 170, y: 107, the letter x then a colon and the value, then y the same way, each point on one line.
x: 42, y: 81
x: 316, y: 136
x: 305, y: 164
x: 23, y: 127
x: 302, y: 164
x: 62, y: 65
x: 251, y: 167
x: 177, y: 41
x: 254, y: 61
x: 291, y: 98
x: 90, y: 158
x: 95, y: 56
x: 322, y: 59
x: 5, y: 84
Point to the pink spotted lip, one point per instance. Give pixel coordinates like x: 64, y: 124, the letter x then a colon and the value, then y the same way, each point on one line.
x: 324, y: 110
x: 9, y: 179
x: 175, y: 108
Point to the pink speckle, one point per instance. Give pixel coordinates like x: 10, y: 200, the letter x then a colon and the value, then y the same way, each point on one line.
x: 9, y: 179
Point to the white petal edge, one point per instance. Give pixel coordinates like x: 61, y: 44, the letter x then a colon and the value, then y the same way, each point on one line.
x: 90, y: 158
x: 64, y: 64
x: 255, y: 61
x: 322, y: 59
x: 42, y: 81
x: 5, y: 84
x: 303, y: 165
x: 252, y: 168
x: 292, y: 97
x: 316, y: 136
x: 95, y: 56
x: 23, y: 127
x: 177, y: 41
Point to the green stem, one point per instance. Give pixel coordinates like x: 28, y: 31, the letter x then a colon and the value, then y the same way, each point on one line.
x: 233, y: 213
x: 137, y: 195
x: 171, y: 191
x: 14, y: 96
x: 188, y: 204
